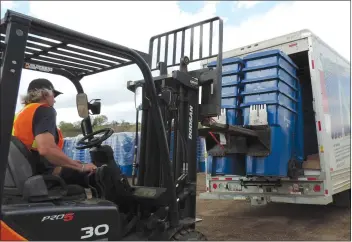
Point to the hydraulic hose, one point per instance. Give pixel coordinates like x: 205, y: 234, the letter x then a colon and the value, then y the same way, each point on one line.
x: 134, y: 165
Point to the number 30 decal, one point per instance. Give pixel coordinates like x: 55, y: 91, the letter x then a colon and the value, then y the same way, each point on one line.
x: 100, y: 230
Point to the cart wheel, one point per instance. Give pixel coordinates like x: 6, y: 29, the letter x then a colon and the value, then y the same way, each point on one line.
x: 188, y: 234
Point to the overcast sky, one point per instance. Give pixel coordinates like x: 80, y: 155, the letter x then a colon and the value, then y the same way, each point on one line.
x: 133, y: 23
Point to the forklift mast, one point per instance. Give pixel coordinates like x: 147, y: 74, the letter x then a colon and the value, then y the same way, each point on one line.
x: 178, y: 96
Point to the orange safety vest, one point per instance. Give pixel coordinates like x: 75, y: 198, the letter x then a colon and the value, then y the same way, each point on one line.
x: 23, y: 123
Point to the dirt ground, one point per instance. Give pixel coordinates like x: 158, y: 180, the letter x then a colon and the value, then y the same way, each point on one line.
x: 237, y: 220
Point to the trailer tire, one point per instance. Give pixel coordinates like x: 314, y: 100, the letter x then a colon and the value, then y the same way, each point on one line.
x: 342, y: 199
x: 187, y: 234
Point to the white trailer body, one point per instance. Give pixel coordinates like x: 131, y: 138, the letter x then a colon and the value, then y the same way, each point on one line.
x: 327, y: 131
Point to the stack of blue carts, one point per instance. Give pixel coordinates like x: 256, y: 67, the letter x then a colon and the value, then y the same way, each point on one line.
x: 230, y: 96
x: 270, y: 78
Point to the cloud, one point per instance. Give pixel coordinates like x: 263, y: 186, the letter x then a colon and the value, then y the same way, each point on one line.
x: 113, y: 21
x: 331, y: 23
x: 246, y: 4
x: 129, y: 24
x: 7, y: 4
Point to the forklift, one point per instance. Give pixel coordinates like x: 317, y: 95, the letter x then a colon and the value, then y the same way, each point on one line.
x: 162, y: 202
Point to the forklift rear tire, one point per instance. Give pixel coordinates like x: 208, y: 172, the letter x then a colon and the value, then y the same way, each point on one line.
x: 188, y: 234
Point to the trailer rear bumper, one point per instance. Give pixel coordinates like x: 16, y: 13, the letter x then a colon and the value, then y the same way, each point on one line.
x: 220, y: 196
x: 257, y: 199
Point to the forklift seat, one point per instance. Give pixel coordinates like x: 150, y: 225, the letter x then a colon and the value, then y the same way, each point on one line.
x: 21, y: 184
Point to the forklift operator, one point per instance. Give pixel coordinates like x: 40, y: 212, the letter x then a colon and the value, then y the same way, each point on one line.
x: 35, y: 126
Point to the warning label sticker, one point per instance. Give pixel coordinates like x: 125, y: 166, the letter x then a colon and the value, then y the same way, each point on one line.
x: 38, y: 67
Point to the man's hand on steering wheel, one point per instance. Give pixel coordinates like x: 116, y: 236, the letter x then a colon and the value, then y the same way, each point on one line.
x: 90, y: 168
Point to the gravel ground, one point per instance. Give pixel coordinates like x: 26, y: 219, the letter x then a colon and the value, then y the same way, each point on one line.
x: 237, y: 220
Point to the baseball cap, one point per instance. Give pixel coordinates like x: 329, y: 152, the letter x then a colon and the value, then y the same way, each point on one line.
x: 42, y: 83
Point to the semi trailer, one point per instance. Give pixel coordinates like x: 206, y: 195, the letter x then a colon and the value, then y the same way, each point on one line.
x: 298, y: 87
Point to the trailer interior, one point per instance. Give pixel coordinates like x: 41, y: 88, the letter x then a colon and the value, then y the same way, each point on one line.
x: 309, y: 129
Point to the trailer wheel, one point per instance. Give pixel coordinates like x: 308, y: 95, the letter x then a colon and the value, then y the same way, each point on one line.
x: 188, y: 234
x: 342, y: 199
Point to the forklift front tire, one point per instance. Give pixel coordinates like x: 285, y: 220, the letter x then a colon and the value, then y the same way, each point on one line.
x: 188, y: 235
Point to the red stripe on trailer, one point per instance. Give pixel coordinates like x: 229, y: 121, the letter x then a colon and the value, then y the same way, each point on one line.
x: 312, y: 64
x: 228, y: 179
x: 319, y: 126
x: 215, y: 178
x: 312, y: 179
x: 326, y: 192
x: 292, y: 45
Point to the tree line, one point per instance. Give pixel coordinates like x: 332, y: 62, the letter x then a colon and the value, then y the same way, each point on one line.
x: 98, y: 122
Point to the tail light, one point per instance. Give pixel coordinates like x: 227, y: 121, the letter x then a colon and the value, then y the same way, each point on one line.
x: 317, y: 188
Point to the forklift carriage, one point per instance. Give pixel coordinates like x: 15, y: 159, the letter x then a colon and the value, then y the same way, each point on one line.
x: 164, y: 199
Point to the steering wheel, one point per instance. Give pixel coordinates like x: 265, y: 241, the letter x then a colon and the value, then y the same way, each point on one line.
x: 95, y: 141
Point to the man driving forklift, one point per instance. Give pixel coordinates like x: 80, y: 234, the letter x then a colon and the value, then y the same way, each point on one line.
x: 35, y: 126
